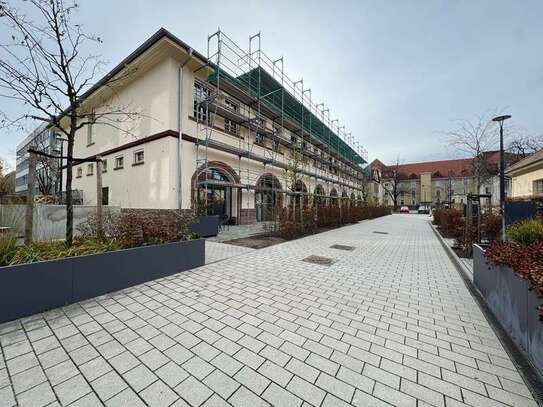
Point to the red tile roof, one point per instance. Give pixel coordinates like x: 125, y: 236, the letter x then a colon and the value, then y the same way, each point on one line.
x: 459, y: 168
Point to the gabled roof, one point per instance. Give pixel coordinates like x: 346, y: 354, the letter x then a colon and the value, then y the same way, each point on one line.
x: 530, y: 160
x: 440, y: 169
x: 377, y: 164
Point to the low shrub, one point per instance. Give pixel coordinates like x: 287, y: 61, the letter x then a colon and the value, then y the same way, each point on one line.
x: 41, y: 251
x: 8, y: 249
x: 323, y: 216
x: 526, y: 232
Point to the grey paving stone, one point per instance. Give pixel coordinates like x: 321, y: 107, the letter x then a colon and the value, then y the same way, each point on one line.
x: 336, y: 387
x: 279, y: 397
x: 254, y: 381
x: 171, y: 374
x: 27, y: 379
x: 127, y: 397
x: 221, y: 384
x: 40, y: 395
x: 362, y: 399
x: 243, y: 398
x: 108, y: 385
x: 193, y: 391
x: 198, y: 367
x: 140, y: 377
x: 61, y: 372
x: 72, y: 389
x: 227, y: 364
x: 158, y: 395
x: 306, y: 391
x: 95, y: 368
x: 303, y: 370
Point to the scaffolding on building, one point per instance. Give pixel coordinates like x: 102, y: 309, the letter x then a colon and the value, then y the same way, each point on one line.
x: 250, y: 91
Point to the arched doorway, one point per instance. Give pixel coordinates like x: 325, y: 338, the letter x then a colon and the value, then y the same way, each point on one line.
x: 267, y: 197
x: 344, y: 198
x: 333, y: 197
x: 318, y: 196
x: 214, y: 192
x: 301, y: 196
x: 353, y: 199
x: 359, y: 200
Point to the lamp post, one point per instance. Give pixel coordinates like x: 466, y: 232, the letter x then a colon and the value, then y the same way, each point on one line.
x: 501, y: 119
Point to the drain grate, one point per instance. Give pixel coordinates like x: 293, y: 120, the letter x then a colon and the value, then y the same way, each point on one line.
x: 342, y: 247
x: 322, y: 261
x: 380, y: 233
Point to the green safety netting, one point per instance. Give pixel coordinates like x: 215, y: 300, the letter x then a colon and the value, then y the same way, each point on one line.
x: 272, y: 94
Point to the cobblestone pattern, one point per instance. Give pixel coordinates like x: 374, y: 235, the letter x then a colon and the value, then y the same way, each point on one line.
x: 388, y: 324
x: 220, y: 251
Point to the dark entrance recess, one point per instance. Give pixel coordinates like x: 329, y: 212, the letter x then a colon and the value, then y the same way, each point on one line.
x: 267, y: 198
x: 214, y: 199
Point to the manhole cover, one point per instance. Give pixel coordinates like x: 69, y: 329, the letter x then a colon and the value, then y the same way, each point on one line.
x: 323, y: 261
x: 342, y: 247
x: 380, y: 233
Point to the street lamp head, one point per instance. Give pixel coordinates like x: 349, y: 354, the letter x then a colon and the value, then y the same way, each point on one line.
x: 501, y: 118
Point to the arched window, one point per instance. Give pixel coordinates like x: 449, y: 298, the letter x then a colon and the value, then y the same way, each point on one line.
x: 301, y: 188
x: 267, y: 197
x: 318, y: 198
x: 333, y: 197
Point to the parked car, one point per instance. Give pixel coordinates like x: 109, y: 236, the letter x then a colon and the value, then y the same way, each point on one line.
x: 404, y: 209
x: 423, y: 209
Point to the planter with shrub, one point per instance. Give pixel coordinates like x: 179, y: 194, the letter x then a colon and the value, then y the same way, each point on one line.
x: 509, y: 275
x: 127, y: 251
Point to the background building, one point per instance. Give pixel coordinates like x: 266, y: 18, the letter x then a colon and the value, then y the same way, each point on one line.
x: 527, y: 176
x: 437, y: 182
x: 47, y: 177
x: 227, y: 134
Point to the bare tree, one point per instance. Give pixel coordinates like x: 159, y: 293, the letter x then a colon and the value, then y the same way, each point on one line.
x: 521, y: 146
x: 472, y: 138
x: 7, y: 180
x: 45, y: 67
x: 47, y: 168
x: 390, y: 178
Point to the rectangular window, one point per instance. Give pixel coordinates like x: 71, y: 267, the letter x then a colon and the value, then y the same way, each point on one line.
x: 104, y: 166
x: 537, y: 187
x: 139, y: 157
x: 259, y: 138
x: 201, y: 96
x: 90, y: 130
x: 105, y: 195
x: 79, y: 172
x: 119, y: 162
x: 90, y: 169
x: 231, y: 127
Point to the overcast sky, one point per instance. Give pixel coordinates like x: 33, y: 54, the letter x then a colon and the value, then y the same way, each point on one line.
x: 395, y: 73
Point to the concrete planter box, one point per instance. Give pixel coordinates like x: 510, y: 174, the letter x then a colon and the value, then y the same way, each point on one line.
x: 27, y: 289
x: 206, y: 226
x: 512, y: 303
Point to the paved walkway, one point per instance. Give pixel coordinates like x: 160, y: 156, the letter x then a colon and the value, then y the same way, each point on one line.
x: 220, y: 251
x: 388, y: 323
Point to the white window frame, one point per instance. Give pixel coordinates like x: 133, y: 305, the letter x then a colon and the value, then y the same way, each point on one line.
x: 117, y: 166
x: 138, y: 161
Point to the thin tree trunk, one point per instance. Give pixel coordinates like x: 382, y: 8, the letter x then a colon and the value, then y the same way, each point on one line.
x: 69, y: 198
